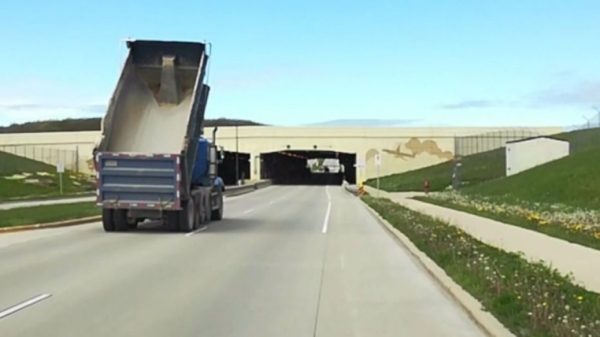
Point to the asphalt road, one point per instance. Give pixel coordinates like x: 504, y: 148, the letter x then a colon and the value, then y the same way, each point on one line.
x: 285, y: 261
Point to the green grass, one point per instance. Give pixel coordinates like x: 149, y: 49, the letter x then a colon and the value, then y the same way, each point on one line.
x: 571, y: 233
x: 573, y: 181
x: 45, y: 187
x: 564, y: 194
x: 47, y: 214
x: 530, y: 299
x: 476, y: 169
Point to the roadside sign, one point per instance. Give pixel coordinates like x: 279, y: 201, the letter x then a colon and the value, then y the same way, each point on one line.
x: 378, y: 159
x: 60, y: 168
x: 378, y: 164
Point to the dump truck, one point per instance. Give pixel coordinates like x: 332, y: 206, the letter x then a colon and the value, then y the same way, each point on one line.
x: 152, y: 161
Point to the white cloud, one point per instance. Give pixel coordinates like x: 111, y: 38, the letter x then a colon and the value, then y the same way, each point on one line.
x: 33, y: 100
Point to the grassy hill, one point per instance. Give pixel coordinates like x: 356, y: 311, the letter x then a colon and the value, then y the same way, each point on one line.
x: 477, y: 168
x: 573, y: 181
x: 93, y: 124
x: 23, y: 178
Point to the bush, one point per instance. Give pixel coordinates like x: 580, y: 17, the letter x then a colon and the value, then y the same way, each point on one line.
x: 530, y: 299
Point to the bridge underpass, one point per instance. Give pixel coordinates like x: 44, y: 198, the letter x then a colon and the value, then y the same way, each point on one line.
x: 227, y: 168
x: 308, y: 167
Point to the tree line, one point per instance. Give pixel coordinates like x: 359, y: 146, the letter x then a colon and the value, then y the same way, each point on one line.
x: 93, y: 124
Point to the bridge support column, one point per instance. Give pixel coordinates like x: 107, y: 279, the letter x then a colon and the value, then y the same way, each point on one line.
x: 361, y: 168
x: 255, y: 166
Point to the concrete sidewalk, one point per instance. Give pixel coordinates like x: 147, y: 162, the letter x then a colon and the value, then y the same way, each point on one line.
x: 583, y: 262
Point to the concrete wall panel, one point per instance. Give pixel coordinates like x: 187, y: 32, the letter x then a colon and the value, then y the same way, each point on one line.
x: 402, y: 148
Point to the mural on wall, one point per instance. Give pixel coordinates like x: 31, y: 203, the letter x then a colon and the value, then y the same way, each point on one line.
x: 416, y: 147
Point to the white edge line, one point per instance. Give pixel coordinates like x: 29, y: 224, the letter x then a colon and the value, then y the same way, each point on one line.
x: 326, y: 220
x: 23, y: 305
x: 197, y: 231
x: 248, y: 211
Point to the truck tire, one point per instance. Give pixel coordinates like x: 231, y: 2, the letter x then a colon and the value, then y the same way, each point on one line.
x: 217, y: 214
x: 198, y: 220
x: 187, y: 217
x: 121, y: 223
x: 108, y: 220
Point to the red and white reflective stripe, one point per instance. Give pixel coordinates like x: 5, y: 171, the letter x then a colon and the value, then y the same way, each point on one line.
x: 133, y: 155
x: 97, y: 184
x: 170, y: 205
x: 178, y: 177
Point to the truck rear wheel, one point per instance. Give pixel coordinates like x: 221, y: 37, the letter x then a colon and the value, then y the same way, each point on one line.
x: 187, y: 216
x: 217, y: 214
x: 198, y: 217
x: 108, y: 220
x: 121, y: 223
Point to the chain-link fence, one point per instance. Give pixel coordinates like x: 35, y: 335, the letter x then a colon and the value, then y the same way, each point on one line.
x: 468, y: 145
x: 592, y: 123
x: 51, y: 156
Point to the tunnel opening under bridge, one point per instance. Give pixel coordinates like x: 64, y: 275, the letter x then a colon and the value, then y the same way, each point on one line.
x: 227, y: 168
x: 308, y: 167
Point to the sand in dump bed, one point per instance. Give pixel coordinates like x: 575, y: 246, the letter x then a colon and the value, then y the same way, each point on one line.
x: 142, y: 126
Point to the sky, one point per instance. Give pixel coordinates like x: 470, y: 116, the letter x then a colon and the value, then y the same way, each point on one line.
x: 428, y: 63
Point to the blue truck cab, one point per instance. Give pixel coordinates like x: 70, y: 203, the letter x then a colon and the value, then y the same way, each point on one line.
x: 200, y: 176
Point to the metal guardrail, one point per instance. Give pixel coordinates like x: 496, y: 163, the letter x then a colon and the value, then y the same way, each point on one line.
x: 238, y: 190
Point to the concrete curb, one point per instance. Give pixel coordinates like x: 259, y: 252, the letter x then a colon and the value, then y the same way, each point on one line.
x: 486, y: 321
x: 66, y: 223
x: 352, y: 189
x: 57, y: 197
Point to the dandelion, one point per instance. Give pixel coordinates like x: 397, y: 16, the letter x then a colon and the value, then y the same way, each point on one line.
x: 577, y: 220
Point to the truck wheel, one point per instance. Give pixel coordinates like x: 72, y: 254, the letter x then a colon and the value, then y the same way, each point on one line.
x: 187, y: 216
x: 121, y: 224
x: 108, y: 220
x: 217, y: 214
x: 198, y: 220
